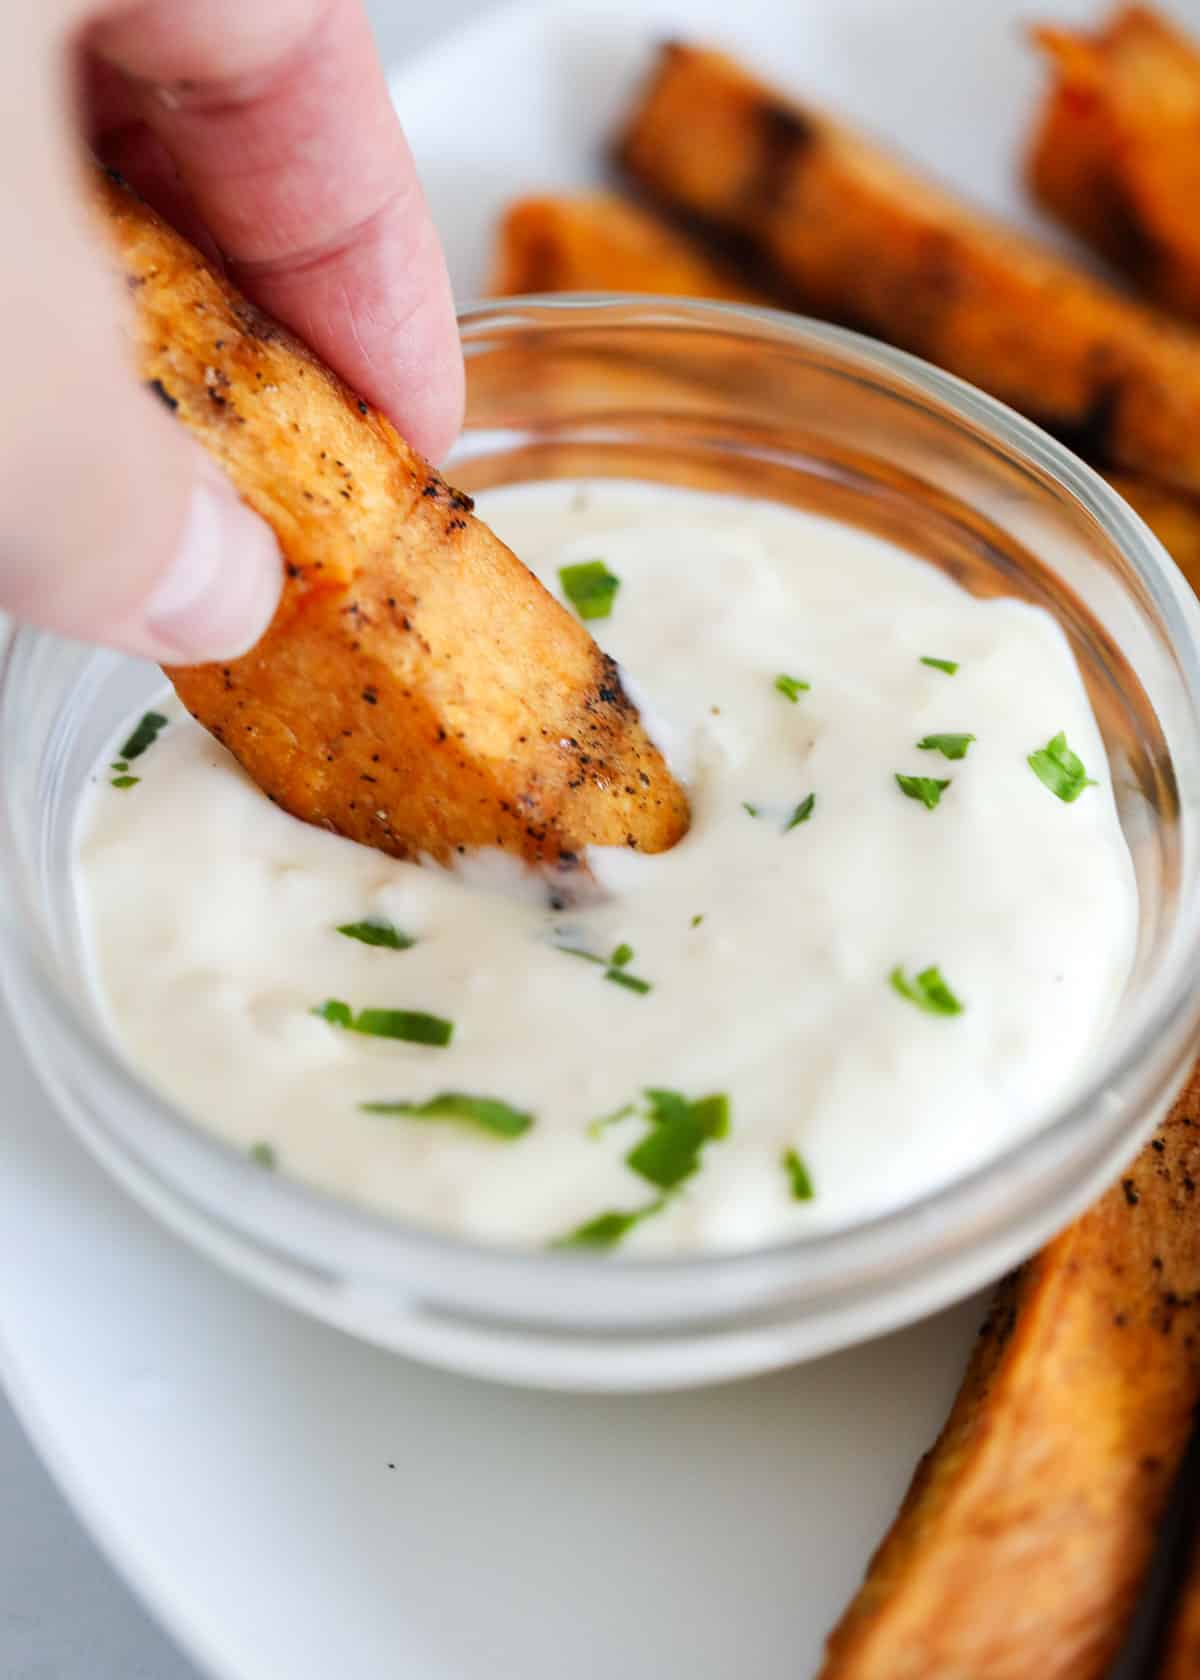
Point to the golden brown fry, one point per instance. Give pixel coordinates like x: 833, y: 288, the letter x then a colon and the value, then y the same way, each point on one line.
x: 1021, y: 1545
x: 1116, y: 154
x: 600, y: 243
x: 418, y: 689
x: 1174, y: 519
x: 846, y: 232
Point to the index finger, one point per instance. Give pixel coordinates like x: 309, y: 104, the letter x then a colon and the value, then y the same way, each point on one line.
x: 279, y: 121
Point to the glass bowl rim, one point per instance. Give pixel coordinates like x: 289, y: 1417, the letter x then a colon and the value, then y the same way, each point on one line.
x: 1019, y: 440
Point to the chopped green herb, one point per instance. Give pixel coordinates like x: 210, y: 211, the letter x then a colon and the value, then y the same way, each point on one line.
x: 263, y: 1155
x: 925, y: 788
x: 801, y: 814
x: 119, y: 765
x: 752, y: 810
x: 950, y: 666
x: 376, y: 931
x: 670, y: 1152
x: 607, y: 1229
x: 488, y: 1113
x: 411, y: 1025
x: 798, y: 1175
x: 928, y: 991
x: 950, y: 746
x: 590, y: 587
x: 792, y: 687
x: 1060, y: 769
x: 596, y: 1127
x: 696, y: 920
x: 613, y: 966
x: 144, y: 735
x: 125, y: 781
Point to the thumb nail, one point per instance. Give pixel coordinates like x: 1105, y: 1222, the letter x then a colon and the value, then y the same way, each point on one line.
x: 221, y: 589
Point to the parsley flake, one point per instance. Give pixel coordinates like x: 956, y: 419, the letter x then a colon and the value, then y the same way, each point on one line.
x: 791, y: 687
x: 376, y: 931
x: 596, y: 1127
x: 950, y: 666
x: 607, y: 1229
x: 125, y: 781
x: 144, y: 735
x: 751, y: 810
x: 927, y: 789
x: 798, y: 1176
x: 928, y: 991
x: 411, y: 1025
x: 263, y: 1155
x: 614, y: 966
x: 1060, y: 769
x: 679, y: 1129
x: 697, y: 919
x: 801, y: 814
x: 488, y: 1113
x: 590, y: 587
x: 950, y: 746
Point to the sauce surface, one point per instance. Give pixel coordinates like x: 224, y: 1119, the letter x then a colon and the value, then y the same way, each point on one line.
x: 840, y: 991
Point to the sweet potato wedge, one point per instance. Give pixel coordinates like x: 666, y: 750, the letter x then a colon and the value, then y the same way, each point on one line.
x: 600, y: 243
x: 844, y: 231
x: 1116, y: 153
x: 1022, y: 1542
x: 418, y: 689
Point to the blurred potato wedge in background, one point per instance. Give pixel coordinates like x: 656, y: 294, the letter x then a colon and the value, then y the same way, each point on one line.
x: 1116, y: 150
x: 841, y: 229
x: 418, y: 690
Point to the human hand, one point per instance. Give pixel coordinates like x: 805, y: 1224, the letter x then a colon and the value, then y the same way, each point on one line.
x: 263, y: 130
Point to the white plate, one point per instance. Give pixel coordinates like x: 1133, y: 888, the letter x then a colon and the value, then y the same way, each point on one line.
x: 298, y: 1506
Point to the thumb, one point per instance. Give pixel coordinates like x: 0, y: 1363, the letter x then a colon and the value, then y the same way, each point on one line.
x: 115, y: 526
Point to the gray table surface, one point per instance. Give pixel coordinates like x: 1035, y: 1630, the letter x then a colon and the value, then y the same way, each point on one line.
x: 64, y: 1614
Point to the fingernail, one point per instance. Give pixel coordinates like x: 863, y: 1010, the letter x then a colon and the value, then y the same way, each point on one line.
x: 222, y: 587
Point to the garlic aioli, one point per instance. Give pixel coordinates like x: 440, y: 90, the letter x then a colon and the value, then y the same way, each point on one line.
x: 878, y: 985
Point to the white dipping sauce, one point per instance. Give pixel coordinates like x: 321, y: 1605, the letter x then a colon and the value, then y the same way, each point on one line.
x: 212, y: 915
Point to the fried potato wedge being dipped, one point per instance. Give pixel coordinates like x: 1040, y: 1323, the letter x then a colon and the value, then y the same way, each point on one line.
x: 839, y: 228
x: 418, y: 689
x: 1023, y: 1540
x: 1116, y: 154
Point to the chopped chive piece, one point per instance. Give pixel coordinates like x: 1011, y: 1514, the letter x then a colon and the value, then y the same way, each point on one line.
x: 791, y: 687
x: 488, y: 1113
x: 801, y: 814
x: 411, y: 1025
x: 595, y: 1127
x: 1060, y: 769
x: 613, y: 966
x: 752, y: 810
x: 950, y: 666
x: 119, y: 765
x: 798, y: 1176
x: 927, y: 789
x: 928, y: 991
x: 125, y: 781
x: 696, y: 920
x: 144, y: 735
x: 607, y: 1229
x: 590, y: 587
x: 376, y: 931
x: 670, y: 1152
x: 263, y: 1155
x: 950, y: 746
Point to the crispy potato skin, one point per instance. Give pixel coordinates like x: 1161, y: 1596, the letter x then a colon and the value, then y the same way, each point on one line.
x: 1021, y: 1545
x: 846, y: 232
x: 599, y: 243
x: 418, y: 689
x: 1116, y: 152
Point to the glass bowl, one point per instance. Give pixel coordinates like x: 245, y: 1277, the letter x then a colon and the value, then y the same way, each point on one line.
x: 724, y: 398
